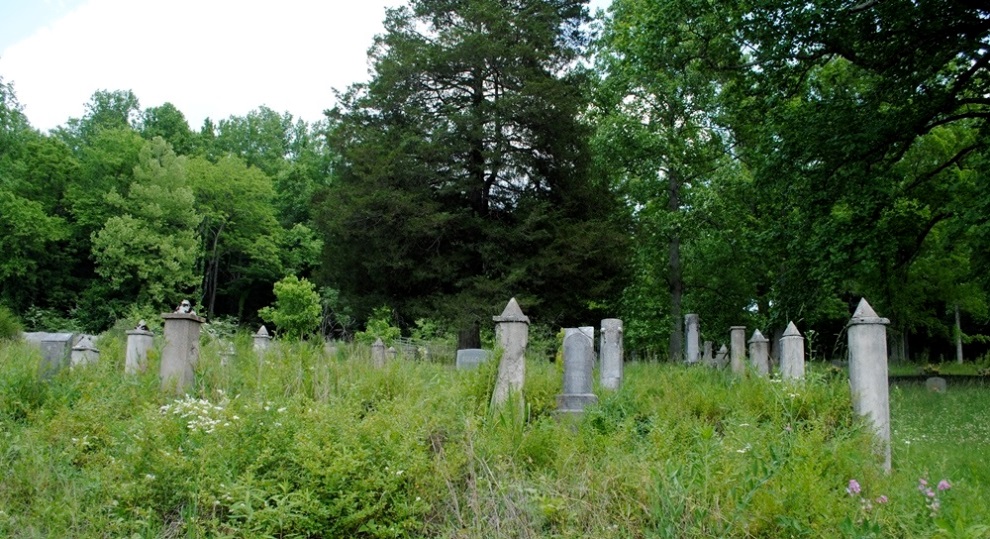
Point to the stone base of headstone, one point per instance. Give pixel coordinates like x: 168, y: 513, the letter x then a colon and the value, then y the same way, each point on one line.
x: 470, y: 358
x: 181, y: 352
x: 56, y: 349
x: 936, y: 384
x: 84, y: 352
x: 575, y: 404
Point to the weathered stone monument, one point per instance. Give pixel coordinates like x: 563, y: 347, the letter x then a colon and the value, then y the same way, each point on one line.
x: 737, y: 348
x: 262, y: 340
x: 470, y: 358
x: 579, y: 356
x: 707, y: 353
x: 139, y: 342
x: 390, y: 354
x: 611, y: 354
x: 792, y: 354
x: 55, y: 350
x: 84, y: 352
x: 378, y: 354
x: 181, y: 351
x: 936, y: 384
x: 692, y: 348
x: 867, y: 334
x: 512, y: 334
x: 759, y: 353
x: 722, y: 357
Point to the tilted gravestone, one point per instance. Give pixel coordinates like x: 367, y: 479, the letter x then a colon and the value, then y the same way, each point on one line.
x: 512, y: 332
x: 181, y: 352
x: 867, y: 334
x: 759, y: 353
x: 470, y: 358
x: 611, y: 354
x: 578, y: 390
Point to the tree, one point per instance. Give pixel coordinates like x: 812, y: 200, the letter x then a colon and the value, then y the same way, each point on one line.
x: 169, y: 123
x: 463, y: 175
x: 297, y: 308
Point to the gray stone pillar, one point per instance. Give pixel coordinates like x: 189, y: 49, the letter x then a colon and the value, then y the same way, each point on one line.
x: 55, y: 350
x: 722, y: 357
x: 692, y: 347
x: 84, y: 352
x: 737, y: 348
x: 512, y: 329
x: 868, y: 373
x: 792, y: 354
x: 707, y: 354
x: 262, y: 340
x: 391, y: 354
x: 378, y: 354
x: 139, y: 341
x: 181, y: 352
x: 611, y: 354
x: 759, y: 353
x: 579, y: 356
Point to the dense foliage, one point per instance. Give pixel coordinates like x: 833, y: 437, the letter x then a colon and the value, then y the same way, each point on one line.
x: 756, y: 163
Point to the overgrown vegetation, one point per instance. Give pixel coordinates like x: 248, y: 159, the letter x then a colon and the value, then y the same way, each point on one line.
x: 301, y: 445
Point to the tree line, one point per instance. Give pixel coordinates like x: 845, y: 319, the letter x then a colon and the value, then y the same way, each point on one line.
x: 754, y: 162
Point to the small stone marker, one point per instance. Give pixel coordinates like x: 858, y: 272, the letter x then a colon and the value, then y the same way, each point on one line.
x: 759, y: 353
x: 330, y: 349
x: 936, y: 384
x: 579, y: 354
x: 181, y: 352
x: 611, y: 354
x: 792, y: 354
x: 470, y: 358
x: 692, y: 351
x: 737, y: 348
x: 722, y: 357
x: 227, y: 352
x: 262, y: 340
x: 84, y: 352
x: 512, y: 331
x: 139, y: 342
x: 867, y: 334
x: 378, y: 353
x: 707, y: 354
x: 391, y: 354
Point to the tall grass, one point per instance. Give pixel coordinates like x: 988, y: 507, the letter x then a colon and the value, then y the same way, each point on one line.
x: 296, y: 444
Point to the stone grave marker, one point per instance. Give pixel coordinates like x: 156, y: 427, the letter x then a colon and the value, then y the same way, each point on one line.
x: 936, y: 384
x: 759, y: 353
x: 737, y: 349
x: 261, y: 340
x: 722, y: 357
x: 56, y: 349
x: 470, y: 358
x: 84, y: 352
x: 692, y: 329
x: 378, y: 354
x: 792, y: 354
x: 867, y: 335
x: 578, y: 390
x: 611, y: 354
x: 512, y: 332
x: 139, y: 342
x: 181, y: 352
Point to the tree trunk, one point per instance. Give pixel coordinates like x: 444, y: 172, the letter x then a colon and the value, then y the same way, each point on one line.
x: 959, y: 354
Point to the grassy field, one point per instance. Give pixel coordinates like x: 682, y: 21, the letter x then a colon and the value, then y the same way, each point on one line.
x: 301, y: 445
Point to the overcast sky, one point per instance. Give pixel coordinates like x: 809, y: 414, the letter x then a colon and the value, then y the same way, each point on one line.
x: 210, y: 58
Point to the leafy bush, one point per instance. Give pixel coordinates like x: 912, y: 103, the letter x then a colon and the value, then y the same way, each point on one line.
x: 10, y: 325
x: 297, y: 309
x: 381, y: 324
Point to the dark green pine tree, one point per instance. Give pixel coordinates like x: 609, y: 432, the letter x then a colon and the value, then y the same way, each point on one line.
x: 463, y: 176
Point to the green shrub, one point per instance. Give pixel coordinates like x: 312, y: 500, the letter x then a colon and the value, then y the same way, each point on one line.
x: 297, y: 309
x: 10, y: 325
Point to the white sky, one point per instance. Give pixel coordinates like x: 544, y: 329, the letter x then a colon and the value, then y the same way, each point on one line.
x: 210, y: 58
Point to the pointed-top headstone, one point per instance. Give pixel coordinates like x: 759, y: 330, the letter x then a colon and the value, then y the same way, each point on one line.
x: 379, y: 342
x: 262, y: 331
x: 758, y: 337
x: 85, y: 343
x: 866, y: 315
x: 791, y: 331
x: 512, y: 313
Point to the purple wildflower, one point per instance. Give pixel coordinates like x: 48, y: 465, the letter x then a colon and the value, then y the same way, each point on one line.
x: 882, y: 499
x: 853, y: 488
x: 944, y: 485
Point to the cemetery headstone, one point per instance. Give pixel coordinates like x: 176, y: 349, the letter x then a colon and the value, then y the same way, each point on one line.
x: 722, y: 357
x: 84, y: 352
x: 867, y: 335
x: 611, y: 354
x: 737, y: 348
x: 139, y: 342
x: 378, y: 353
x: 707, y: 354
x: 470, y: 358
x: 792, y: 354
x: 936, y: 384
x: 262, y: 340
x: 579, y: 352
x: 692, y: 352
x: 759, y: 353
x: 181, y: 352
x: 56, y: 349
x: 390, y: 354
x: 512, y: 330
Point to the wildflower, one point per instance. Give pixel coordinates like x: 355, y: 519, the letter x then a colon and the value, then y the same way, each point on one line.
x: 944, y: 485
x: 150, y: 477
x: 882, y: 499
x: 853, y: 488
